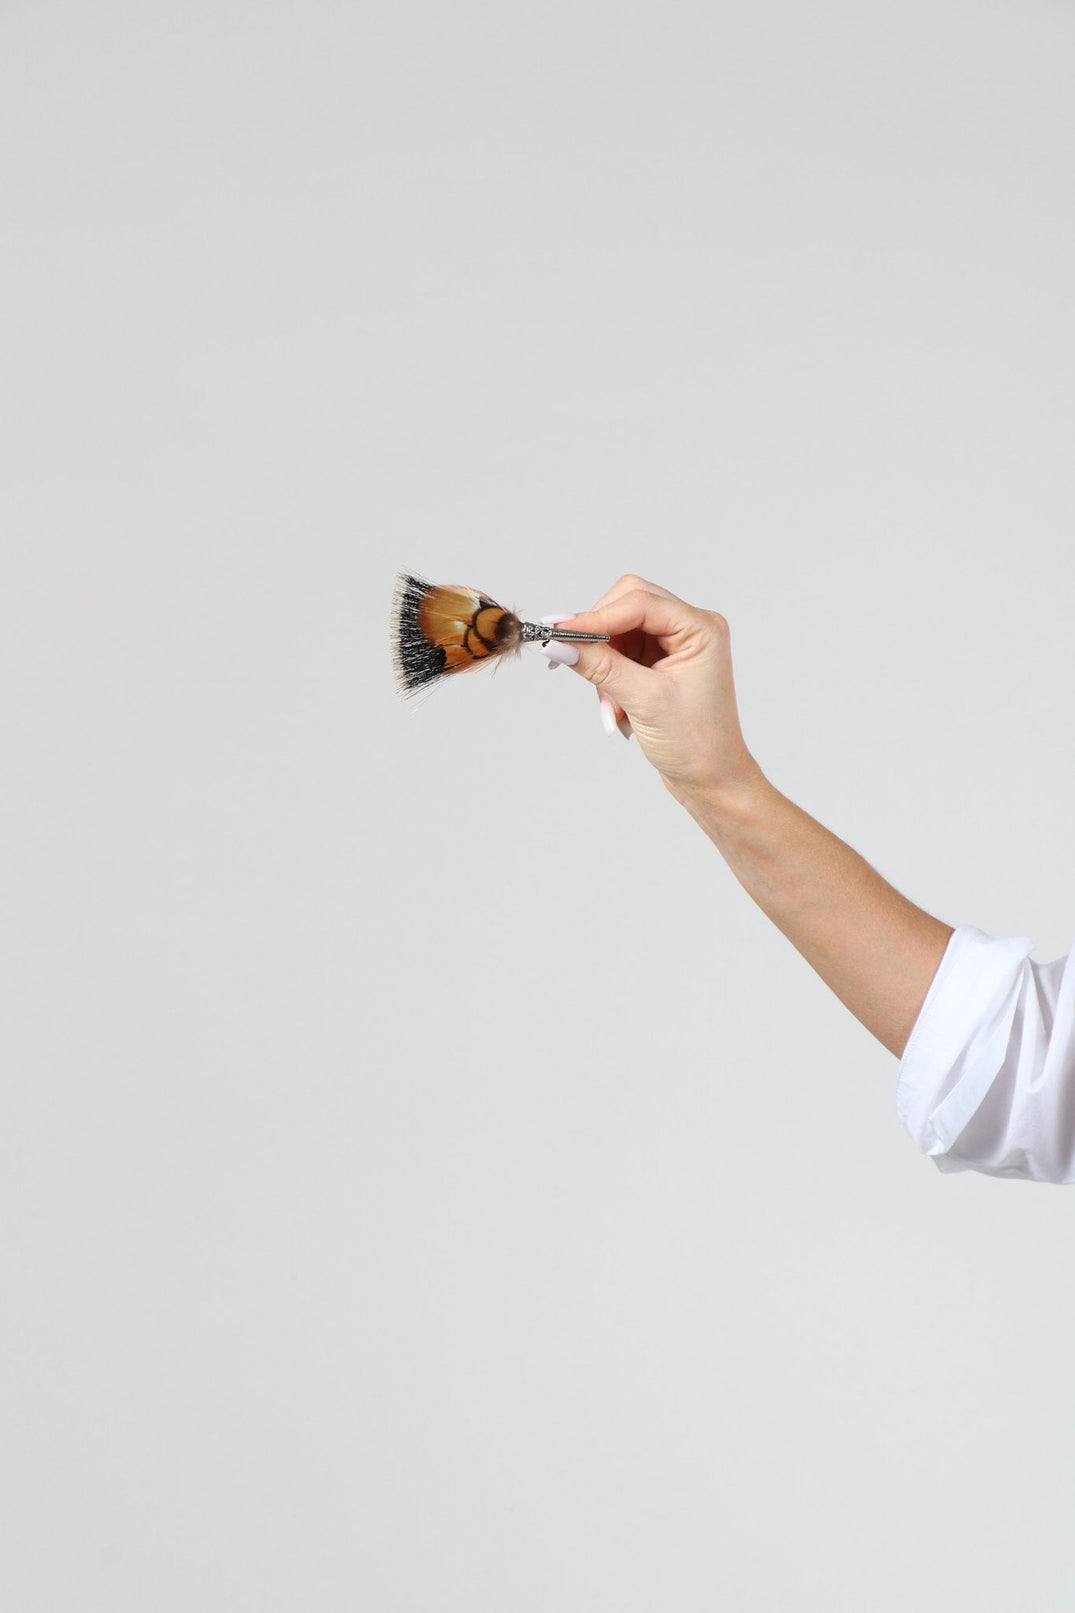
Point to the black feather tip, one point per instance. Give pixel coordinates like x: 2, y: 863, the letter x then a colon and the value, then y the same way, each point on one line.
x: 417, y: 663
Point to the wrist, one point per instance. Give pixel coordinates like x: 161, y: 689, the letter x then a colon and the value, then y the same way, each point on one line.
x: 724, y: 806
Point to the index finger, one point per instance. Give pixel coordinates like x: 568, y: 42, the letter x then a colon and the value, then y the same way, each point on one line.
x: 661, y: 616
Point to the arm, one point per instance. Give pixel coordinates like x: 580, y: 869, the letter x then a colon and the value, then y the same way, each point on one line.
x: 984, y: 1035
x: 870, y: 945
x: 668, y: 669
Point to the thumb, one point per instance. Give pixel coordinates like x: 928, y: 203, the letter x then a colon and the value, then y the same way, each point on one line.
x: 613, y: 673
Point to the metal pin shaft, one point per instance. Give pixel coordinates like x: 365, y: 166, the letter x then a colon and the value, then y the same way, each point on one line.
x: 541, y: 633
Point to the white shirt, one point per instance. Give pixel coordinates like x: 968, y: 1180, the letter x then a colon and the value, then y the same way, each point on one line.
x: 987, y: 1079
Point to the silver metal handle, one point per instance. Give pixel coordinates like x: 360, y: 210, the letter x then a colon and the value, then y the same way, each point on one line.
x: 541, y: 633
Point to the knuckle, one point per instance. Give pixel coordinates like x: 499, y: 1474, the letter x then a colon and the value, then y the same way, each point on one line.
x: 601, y: 669
x: 717, y: 622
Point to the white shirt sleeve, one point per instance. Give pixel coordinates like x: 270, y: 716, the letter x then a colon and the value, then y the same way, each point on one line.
x: 987, y: 1079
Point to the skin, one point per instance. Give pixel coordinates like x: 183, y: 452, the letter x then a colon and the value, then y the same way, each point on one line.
x: 668, y: 670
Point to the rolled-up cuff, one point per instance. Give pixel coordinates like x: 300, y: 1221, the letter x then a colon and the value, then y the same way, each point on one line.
x: 960, y: 1039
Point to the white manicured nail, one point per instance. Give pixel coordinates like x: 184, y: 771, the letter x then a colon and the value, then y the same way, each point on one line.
x: 554, y: 621
x: 559, y: 654
x: 608, y: 719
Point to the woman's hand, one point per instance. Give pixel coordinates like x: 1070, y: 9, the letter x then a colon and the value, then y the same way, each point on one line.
x: 668, y: 670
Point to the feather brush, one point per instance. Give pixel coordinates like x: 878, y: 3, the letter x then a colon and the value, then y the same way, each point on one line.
x: 439, y: 629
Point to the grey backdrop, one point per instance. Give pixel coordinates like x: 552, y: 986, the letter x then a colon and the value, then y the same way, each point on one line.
x: 426, y: 1181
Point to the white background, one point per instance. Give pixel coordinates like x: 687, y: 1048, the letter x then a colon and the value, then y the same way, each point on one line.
x: 426, y: 1181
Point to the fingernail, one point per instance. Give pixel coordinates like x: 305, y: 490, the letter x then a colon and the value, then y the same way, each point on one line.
x: 624, y: 727
x: 554, y: 621
x: 559, y: 654
x: 608, y: 718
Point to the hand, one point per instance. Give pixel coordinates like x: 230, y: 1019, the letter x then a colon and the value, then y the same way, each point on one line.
x: 668, y: 670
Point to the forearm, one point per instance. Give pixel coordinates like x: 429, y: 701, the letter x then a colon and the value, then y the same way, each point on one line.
x: 870, y: 945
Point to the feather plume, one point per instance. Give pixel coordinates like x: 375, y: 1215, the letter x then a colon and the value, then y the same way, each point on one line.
x: 437, y: 630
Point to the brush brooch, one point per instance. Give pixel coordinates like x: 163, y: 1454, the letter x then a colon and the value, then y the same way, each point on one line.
x: 437, y: 630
